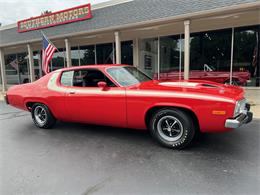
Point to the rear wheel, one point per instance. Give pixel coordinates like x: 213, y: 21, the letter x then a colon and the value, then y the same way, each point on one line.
x: 172, y: 128
x: 42, y: 116
x: 233, y: 82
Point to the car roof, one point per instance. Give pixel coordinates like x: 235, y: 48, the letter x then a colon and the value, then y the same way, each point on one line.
x: 97, y: 66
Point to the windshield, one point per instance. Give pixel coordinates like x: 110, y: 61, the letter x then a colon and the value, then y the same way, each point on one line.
x: 127, y: 76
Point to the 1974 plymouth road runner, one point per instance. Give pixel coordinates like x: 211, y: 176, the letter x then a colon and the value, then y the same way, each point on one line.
x: 122, y: 96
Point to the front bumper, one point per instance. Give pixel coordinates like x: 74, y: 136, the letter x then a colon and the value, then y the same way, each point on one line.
x: 242, y: 118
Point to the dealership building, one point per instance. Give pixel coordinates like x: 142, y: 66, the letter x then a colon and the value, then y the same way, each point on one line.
x: 160, y: 37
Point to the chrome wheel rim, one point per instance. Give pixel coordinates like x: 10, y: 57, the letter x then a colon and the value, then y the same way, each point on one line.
x: 40, y: 115
x: 170, y: 128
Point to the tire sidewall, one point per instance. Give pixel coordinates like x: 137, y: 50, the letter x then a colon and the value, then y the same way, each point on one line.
x: 49, y: 120
x: 186, y: 121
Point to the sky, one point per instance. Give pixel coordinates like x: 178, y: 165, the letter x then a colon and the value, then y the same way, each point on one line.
x: 13, y: 10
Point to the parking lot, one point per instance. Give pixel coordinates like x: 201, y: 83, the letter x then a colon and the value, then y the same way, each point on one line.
x: 84, y: 159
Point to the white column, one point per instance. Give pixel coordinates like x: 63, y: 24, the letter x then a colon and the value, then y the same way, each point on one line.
x: 118, y: 47
x: 31, y: 62
x: 186, y: 49
x: 68, y: 53
x: 180, y: 57
x: 136, y: 52
x: 2, y: 66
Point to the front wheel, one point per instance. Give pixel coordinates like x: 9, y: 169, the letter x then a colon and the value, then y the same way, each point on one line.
x: 42, y: 116
x: 172, y: 128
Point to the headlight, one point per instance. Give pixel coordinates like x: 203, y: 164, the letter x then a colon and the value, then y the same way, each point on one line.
x: 240, y: 107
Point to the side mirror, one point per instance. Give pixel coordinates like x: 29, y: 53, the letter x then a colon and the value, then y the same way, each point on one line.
x: 102, y: 84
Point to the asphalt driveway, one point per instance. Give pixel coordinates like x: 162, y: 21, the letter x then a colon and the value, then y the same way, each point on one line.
x: 83, y: 159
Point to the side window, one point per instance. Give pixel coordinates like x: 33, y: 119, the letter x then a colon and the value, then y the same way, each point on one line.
x: 84, y: 78
x: 67, y: 78
x: 90, y: 78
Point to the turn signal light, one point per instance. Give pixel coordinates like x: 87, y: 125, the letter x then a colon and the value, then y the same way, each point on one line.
x: 219, y: 112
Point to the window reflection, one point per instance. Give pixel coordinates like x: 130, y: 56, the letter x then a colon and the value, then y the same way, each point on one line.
x: 127, y: 52
x: 17, y: 68
x: 37, y: 64
x: 210, y: 55
x: 105, y: 53
x: 58, y: 59
x: 87, y: 55
x: 246, y: 65
x: 75, y: 56
x: 11, y: 69
x: 171, y: 57
x: 149, y: 56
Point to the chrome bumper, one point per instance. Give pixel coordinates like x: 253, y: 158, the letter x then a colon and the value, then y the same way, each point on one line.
x: 243, y: 118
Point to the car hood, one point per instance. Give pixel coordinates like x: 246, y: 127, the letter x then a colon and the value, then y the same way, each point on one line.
x: 194, y: 87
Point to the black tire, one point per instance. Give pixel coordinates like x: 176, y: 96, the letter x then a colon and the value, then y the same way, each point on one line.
x: 48, y: 121
x: 234, y: 82
x: 176, y: 139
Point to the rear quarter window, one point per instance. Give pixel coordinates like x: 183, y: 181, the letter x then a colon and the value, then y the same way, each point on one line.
x: 67, y: 78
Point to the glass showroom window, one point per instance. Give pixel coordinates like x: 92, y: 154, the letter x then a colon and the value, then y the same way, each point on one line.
x: 87, y: 55
x: 246, y: 56
x: 16, y: 68
x: 127, y: 52
x: 171, y: 57
x: 11, y: 69
x: 23, y: 64
x: 105, y: 53
x: 149, y: 56
x: 210, y: 55
x: 75, y: 56
x: 58, y: 59
x: 37, y: 65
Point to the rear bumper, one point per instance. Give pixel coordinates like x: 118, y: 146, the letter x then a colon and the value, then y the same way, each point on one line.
x: 241, y: 119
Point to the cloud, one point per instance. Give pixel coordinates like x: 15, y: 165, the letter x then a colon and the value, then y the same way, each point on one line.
x: 13, y: 10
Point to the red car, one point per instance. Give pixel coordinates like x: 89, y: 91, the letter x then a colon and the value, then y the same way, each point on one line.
x: 238, y: 77
x: 122, y: 96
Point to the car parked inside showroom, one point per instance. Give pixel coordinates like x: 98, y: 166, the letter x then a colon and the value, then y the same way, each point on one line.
x: 238, y: 78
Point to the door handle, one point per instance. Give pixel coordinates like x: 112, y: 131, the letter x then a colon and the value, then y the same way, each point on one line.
x: 72, y: 92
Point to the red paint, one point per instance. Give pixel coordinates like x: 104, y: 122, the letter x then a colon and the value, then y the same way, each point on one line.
x: 215, y: 76
x: 127, y: 106
x: 56, y: 24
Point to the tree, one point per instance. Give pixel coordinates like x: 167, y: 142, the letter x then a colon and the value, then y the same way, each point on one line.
x: 46, y: 12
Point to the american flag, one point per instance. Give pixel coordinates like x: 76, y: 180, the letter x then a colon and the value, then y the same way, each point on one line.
x: 14, y: 64
x: 47, y: 53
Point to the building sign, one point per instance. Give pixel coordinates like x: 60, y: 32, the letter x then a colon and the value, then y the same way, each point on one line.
x: 56, y: 18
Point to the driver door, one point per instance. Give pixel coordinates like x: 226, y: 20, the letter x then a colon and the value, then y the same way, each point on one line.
x: 88, y: 103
